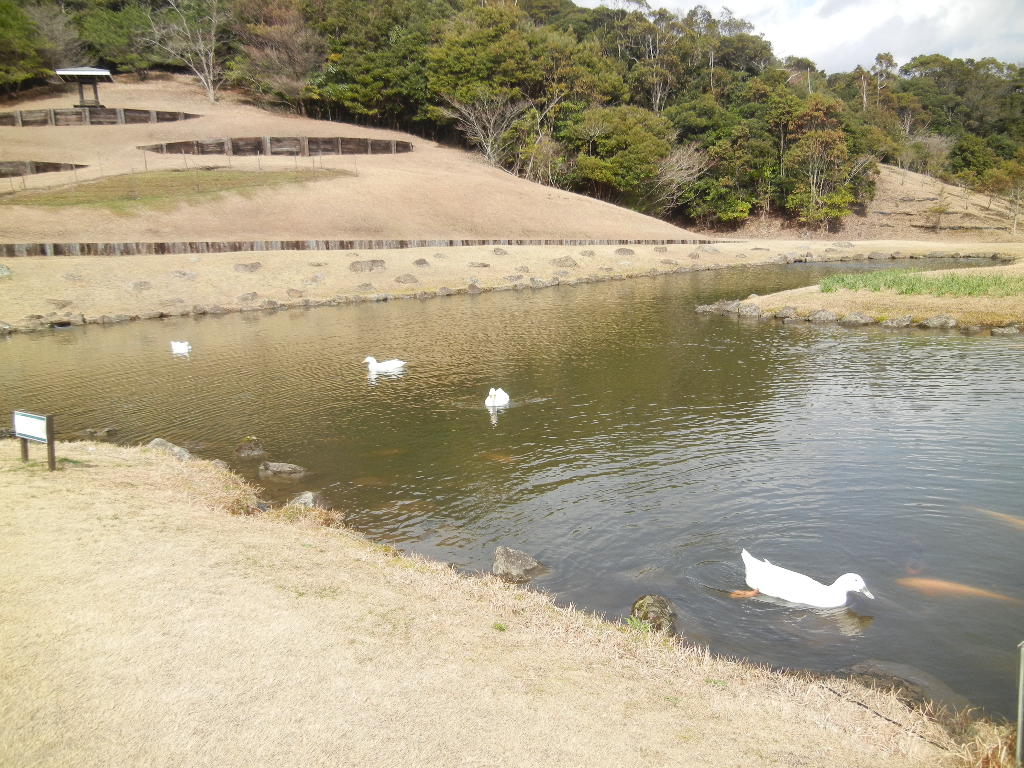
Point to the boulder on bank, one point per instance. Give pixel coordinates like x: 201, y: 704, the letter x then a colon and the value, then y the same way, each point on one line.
x: 515, y: 566
x: 903, y: 321
x: 657, y: 611
x: 367, y: 265
x: 939, y: 321
x: 309, y: 499
x: 282, y: 471
x: 175, y: 450
x: 250, y: 448
x: 856, y: 318
x: 823, y: 316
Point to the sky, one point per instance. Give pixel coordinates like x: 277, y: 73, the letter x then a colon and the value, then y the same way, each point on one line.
x: 840, y: 34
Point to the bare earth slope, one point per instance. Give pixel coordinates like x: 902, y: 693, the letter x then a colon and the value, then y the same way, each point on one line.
x: 904, y: 209
x: 432, y: 192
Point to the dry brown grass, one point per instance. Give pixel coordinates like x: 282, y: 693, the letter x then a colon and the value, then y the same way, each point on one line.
x: 141, y: 625
x: 882, y: 305
x: 432, y: 192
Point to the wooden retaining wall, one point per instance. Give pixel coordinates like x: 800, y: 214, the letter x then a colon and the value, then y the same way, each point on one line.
x: 27, y: 167
x: 27, y: 118
x: 11, y: 250
x: 301, y: 146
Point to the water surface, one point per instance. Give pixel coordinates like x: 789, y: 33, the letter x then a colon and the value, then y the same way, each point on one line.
x: 644, y: 447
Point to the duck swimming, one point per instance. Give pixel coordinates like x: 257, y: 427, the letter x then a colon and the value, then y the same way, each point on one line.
x: 767, y: 579
x: 496, y: 397
x: 387, y: 366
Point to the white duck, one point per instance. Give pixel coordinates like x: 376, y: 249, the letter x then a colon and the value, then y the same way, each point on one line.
x: 386, y: 366
x: 496, y: 397
x: 180, y: 348
x: 767, y: 579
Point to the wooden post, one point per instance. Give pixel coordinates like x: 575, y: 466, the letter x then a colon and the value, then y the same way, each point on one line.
x: 51, y: 447
x: 24, y: 449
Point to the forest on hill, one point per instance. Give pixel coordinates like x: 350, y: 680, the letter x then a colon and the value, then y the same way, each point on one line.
x: 687, y: 116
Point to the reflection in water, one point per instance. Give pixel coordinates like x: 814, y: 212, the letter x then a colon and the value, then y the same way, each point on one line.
x: 181, y: 348
x: 374, y: 376
x: 646, y: 446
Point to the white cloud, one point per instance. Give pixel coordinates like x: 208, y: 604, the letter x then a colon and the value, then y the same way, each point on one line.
x: 840, y: 34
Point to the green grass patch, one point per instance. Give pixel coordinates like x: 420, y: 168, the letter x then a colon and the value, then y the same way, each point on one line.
x: 912, y: 282
x: 134, y: 192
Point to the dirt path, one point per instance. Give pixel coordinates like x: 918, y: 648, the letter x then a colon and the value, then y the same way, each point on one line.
x: 141, y: 624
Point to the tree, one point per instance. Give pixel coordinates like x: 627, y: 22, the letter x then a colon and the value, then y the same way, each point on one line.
x: 279, y: 50
x: 971, y: 155
x: 1014, y: 170
x: 20, y: 45
x: 487, y: 121
x: 822, y: 175
x: 122, y: 37
x: 377, y: 68
x: 61, y: 45
x: 620, y: 151
x: 194, y: 33
x: 883, y: 69
x: 676, y: 174
x: 490, y: 49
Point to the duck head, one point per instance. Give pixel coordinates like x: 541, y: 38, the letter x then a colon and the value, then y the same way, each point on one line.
x: 851, y: 582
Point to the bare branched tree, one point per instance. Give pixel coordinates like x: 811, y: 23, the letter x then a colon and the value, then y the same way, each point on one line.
x: 676, y: 173
x: 279, y: 50
x: 62, y: 46
x: 487, y: 122
x: 928, y: 152
x: 190, y: 32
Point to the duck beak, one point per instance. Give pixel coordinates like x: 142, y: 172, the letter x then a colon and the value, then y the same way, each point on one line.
x: 866, y: 593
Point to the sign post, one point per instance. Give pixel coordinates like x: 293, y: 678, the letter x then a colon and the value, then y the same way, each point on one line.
x: 38, y: 429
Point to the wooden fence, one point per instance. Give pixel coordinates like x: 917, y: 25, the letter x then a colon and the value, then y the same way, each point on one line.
x: 26, y: 167
x: 10, y: 250
x: 302, y: 146
x: 26, y: 118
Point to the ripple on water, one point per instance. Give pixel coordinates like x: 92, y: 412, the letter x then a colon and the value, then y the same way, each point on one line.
x: 644, y: 447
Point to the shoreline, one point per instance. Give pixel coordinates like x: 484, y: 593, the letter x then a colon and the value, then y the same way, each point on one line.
x: 44, y: 292
x: 398, y: 633
x: 975, y: 315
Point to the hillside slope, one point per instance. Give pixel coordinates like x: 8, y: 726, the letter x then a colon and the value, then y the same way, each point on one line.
x: 904, y: 209
x: 433, y: 192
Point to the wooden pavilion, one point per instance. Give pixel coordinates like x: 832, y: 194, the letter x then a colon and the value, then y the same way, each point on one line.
x: 86, y: 76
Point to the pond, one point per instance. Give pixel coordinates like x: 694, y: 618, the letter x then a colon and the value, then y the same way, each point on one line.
x: 644, y: 446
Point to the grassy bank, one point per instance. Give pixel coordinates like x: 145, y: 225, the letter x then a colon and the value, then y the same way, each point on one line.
x: 144, y: 624
x: 138, y: 193
x: 911, y: 282
x: 978, y: 297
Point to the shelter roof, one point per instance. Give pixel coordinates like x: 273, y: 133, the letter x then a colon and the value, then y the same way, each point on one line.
x: 74, y: 74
